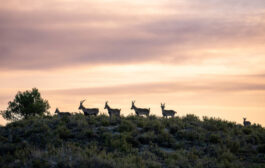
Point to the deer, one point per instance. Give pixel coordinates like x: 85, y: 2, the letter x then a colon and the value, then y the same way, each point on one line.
x: 246, y: 123
x: 88, y: 111
x: 61, y: 113
x: 112, y: 112
x: 140, y: 111
x: 167, y: 112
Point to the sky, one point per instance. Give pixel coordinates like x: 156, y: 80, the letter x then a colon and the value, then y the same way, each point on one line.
x: 202, y: 57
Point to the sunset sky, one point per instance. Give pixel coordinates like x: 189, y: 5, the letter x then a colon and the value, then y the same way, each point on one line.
x: 202, y: 57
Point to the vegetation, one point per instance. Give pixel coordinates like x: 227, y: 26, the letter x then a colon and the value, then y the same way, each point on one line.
x: 80, y: 141
x: 26, y: 104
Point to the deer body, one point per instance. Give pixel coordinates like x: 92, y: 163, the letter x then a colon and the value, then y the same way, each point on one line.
x: 167, y: 113
x: 140, y: 111
x: 61, y: 113
x: 88, y: 111
x: 246, y: 123
x: 112, y: 112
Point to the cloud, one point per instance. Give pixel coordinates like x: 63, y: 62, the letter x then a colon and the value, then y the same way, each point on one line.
x: 163, y: 87
x: 54, y: 35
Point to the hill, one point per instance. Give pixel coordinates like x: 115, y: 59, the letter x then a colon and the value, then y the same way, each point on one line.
x: 80, y: 141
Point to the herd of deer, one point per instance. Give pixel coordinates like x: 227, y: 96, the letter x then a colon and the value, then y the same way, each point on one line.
x: 117, y: 112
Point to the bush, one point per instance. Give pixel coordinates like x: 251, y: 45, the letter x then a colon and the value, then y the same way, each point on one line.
x: 227, y: 157
x: 126, y: 126
x: 154, y: 125
x: 233, y: 146
x: 25, y: 105
x: 261, y: 148
x: 81, y: 141
x: 247, y: 131
x: 215, y: 139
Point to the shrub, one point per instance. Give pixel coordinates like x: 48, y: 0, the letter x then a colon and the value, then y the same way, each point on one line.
x: 126, y: 126
x: 227, y: 156
x: 261, y: 148
x: 81, y: 141
x: 233, y: 146
x: 191, y: 118
x: 147, y: 137
x: 64, y: 133
x: 154, y: 125
x: 247, y: 131
x: 214, y: 138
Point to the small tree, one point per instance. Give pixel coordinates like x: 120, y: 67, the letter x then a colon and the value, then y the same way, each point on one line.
x: 26, y: 104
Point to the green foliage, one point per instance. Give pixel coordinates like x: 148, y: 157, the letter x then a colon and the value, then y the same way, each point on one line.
x: 132, y: 142
x: 215, y: 138
x: 261, y: 148
x: 25, y: 105
x: 126, y: 126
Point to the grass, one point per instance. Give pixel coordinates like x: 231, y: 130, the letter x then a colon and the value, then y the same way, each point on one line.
x: 80, y: 141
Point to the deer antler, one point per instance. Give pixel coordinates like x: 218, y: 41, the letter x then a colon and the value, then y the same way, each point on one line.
x: 82, y: 101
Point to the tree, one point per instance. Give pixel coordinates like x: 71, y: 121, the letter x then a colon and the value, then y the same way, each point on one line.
x: 26, y: 104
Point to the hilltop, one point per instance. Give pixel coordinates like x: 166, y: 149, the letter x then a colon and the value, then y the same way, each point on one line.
x: 80, y: 141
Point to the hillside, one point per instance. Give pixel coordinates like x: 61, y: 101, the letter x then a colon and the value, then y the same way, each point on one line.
x: 79, y: 141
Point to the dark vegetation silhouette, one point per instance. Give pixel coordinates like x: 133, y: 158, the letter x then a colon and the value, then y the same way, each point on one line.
x: 82, y: 141
x: 26, y: 104
x: 96, y: 141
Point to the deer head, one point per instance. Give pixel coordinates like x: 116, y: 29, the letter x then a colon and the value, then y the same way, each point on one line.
x: 133, y: 106
x: 163, y: 105
x: 106, y: 105
x: 57, y: 110
x: 81, y: 104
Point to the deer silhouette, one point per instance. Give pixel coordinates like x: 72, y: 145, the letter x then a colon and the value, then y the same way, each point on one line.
x: 61, y: 113
x: 167, y: 112
x: 246, y: 123
x: 88, y: 111
x: 111, y: 111
x: 140, y: 111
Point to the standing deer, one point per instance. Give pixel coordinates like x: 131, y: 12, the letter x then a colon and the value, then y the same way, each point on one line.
x: 115, y: 112
x: 167, y: 112
x: 87, y: 111
x: 140, y: 111
x: 246, y: 123
x: 61, y: 113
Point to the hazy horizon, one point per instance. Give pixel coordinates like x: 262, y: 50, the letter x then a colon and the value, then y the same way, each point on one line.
x: 202, y: 57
